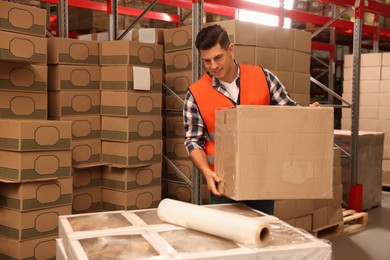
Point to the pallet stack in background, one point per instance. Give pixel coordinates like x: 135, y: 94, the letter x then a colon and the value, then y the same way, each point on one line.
x: 315, y: 214
x: 35, y: 155
x: 374, y: 116
x: 131, y: 84
x: 74, y: 95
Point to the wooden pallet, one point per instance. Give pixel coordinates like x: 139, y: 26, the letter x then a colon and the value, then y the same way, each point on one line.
x: 354, y: 220
x: 329, y: 231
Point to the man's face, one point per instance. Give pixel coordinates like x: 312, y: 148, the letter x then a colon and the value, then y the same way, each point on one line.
x: 219, y: 62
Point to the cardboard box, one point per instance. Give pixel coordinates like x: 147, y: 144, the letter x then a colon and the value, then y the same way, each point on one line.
x: 74, y: 103
x: 337, y: 173
x: 265, y: 36
x: 87, y: 200
x: 337, y: 157
x: 175, y: 149
x: 185, y: 166
x: 69, y: 77
x: 337, y: 195
x: 304, y: 207
x: 34, y: 135
x: 118, y: 103
x: 239, y: 32
x: 132, y: 128
x: 39, y: 248
x: 301, y: 83
x: 134, y: 154
x: 23, y: 226
x: 127, y: 179
x: 371, y: 59
x: 72, y: 51
x: 28, y: 166
x: 22, y: 19
x: 176, y: 39
x: 125, y: 78
x: 151, y: 35
x: 285, y: 209
x: 172, y: 102
x: 265, y: 57
x: 86, y: 153
x: 287, y: 79
x: 134, y: 199
x: 335, y: 214
x: 19, y: 105
x: 102, y: 36
x: 245, y: 54
x: 179, y: 82
x: 306, y: 170
x: 284, y: 38
x: 178, y: 61
x: 302, y: 41
x: 86, y: 178
x: 284, y: 60
x: 301, y: 99
x: 320, y: 218
x: 178, y: 191
x: 304, y: 222
x: 385, y: 59
x: 23, y: 77
x: 131, y: 53
x: 83, y: 127
x: 301, y: 62
x: 36, y: 195
x: 174, y: 126
x: 22, y: 48
x: 386, y: 178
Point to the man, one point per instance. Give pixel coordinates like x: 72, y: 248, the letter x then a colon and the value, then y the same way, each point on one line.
x: 225, y: 84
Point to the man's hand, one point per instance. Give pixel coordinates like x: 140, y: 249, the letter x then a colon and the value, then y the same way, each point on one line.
x: 212, y: 179
x: 315, y: 104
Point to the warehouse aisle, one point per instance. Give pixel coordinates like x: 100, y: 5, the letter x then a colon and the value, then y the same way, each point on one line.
x: 370, y: 243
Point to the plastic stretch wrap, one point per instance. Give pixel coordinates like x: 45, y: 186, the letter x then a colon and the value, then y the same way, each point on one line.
x: 231, y: 226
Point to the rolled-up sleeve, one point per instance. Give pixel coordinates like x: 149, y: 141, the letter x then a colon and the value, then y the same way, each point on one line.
x: 279, y: 94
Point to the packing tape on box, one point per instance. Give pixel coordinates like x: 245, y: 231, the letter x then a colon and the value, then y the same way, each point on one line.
x: 242, y: 229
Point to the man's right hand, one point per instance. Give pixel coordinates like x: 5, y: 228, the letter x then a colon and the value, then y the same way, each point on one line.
x: 213, y: 179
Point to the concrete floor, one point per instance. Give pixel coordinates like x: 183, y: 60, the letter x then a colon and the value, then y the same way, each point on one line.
x: 369, y: 243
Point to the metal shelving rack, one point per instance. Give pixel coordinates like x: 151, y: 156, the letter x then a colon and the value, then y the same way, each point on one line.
x: 226, y: 7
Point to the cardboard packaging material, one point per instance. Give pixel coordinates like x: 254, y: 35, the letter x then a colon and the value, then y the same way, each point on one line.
x: 369, y: 165
x: 87, y: 200
x: 178, y: 192
x: 128, y: 78
x: 304, y: 222
x: 86, y: 178
x: 179, y: 81
x: 301, y: 99
x: 176, y: 39
x: 284, y: 38
x: 301, y: 83
x: 151, y: 35
x: 265, y: 57
x: 102, y: 36
x: 239, y: 32
x: 134, y: 154
x: 132, y: 128
x: 131, y: 53
x: 118, y: 103
x: 34, y: 135
x: 320, y: 217
x: 23, y: 226
x: 302, y: 41
x: 174, y: 126
x: 301, y: 62
x: 74, y: 103
x: 69, y: 77
x: 142, y: 198
x: 33, y: 166
x: 72, y: 51
x: 15, y: 47
x: 185, y: 166
x: 39, y: 248
x: 127, y: 179
x: 172, y: 102
x: 83, y: 127
x: 284, y: 60
x: 86, y: 153
x: 245, y: 54
x: 265, y: 36
x: 175, y: 149
x: 23, y: 77
x: 178, y: 61
x: 36, y: 195
x: 258, y: 169
x: 22, y: 19
x: 19, y: 105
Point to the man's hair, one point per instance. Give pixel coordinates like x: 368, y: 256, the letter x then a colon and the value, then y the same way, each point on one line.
x: 209, y: 36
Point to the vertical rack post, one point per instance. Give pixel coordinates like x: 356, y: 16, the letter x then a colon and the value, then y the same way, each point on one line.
x: 112, y: 10
x: 197, y: 20
x: 63, y: 26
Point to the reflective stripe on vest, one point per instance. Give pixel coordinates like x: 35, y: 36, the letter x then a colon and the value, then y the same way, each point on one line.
x: 254, y: 90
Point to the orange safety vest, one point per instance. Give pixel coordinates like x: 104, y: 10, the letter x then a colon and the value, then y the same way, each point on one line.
x: 254, y: 90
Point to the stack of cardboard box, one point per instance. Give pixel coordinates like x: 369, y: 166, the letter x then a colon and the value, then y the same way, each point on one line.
x: 74, y: 96
x: 35, y: 186
x: 374, y: 106
x: 131, y: 84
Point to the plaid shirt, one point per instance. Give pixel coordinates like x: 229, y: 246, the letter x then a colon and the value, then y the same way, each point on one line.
x: 194, y: 127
